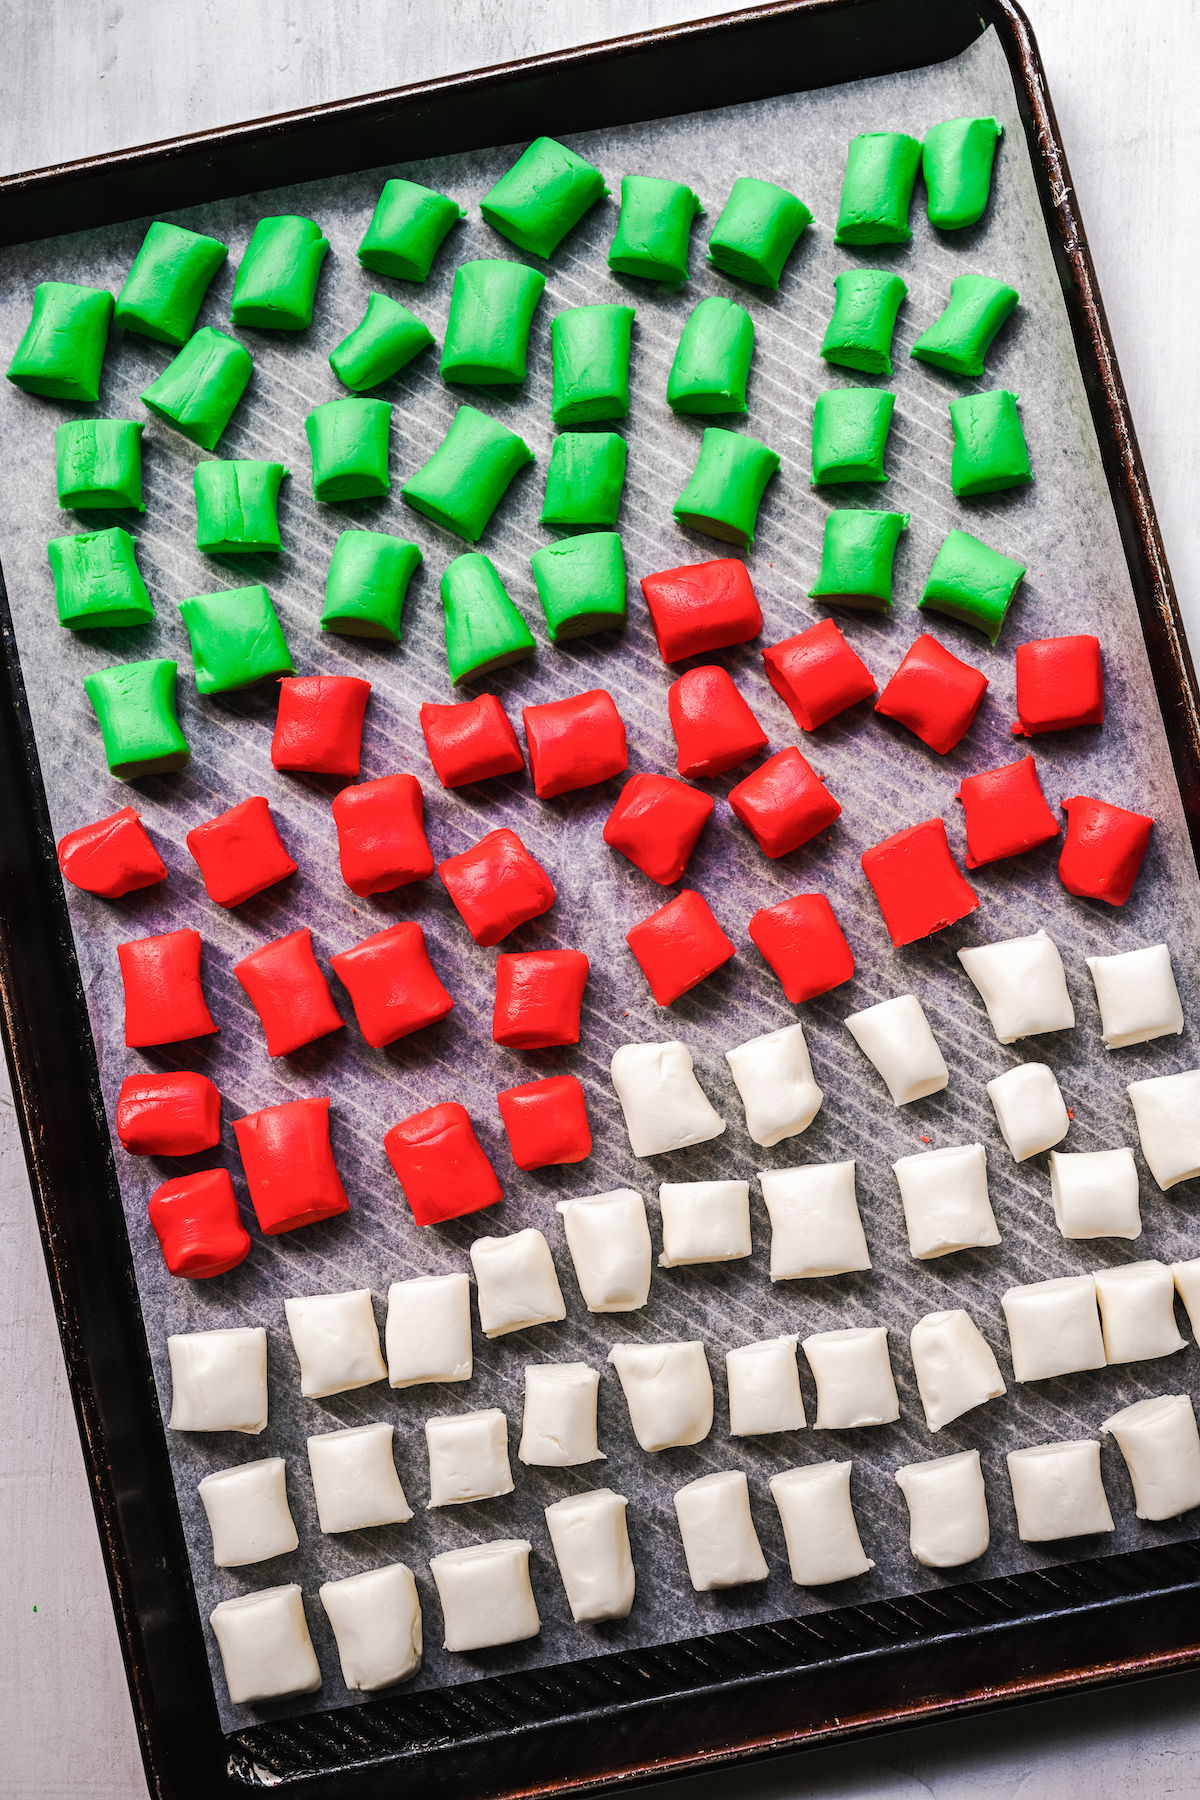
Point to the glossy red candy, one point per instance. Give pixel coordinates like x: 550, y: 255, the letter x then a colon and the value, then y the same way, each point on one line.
x: 546, y: 1122
x: 1103, y: 850
x: 196, y: 1220
x: 240, y: 852
x: 319, y: 725
x: 112, y: 857
x: 679, y: 946
x: 539, y: 994
x: 381, y: 838
x: 574, y: 743
x: 164, y: 1002
x: 1060, y: 684
x: 1006, y: 813
x: 702, y: 607
x: 392, y: 983
x: 934, y: 694
x: 470, y: 743
x: 441, y: 1165
x: 784, y: 804
x: 496, y: 886
x: 168, y: 1115
x: 817, y: 674
x: 803, y: 943
x: 655, y: 823
x: 714, y: 728
x: 917, y: 882
x: 288, y: 992
x: 289, y: 1165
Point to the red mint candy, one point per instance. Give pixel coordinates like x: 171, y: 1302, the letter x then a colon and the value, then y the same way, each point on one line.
x: 496, y: 886
x: 319, y: 725
x: 679, y: 946
x: 546, y: 1122
x: 240, y: 852
x: 656, y: 823
x: 784, y: 804
x: 1006, y: 813
x: 381, y: 838
x: 112, y: 857
x: 164, y: 1002
x: 1103, y: 850
x: 470, y: 743
x: 917, y: 882
x: 288, y: 992
x: 392, y: 984
x: 1060, y: 683
x: 574, y: 743
x: 289, y: 1165
x: 168, y: 1115
x: 817, y: 675
x: 934, y: 694
x: 705, y: 606
x: 441, y: 1165
x: 539, y: 994
x: 714, y: 728
x: 196, y: 1220
x: 803, y: 943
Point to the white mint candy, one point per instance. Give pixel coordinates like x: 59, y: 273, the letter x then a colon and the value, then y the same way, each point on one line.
x: 591, y: 1547
x: 954, y: 1365
x: 1030, y: 1109
x: 1058, y: 1492
x: 704, y: 1221
x: 664, y: 1105
x: 486, y: 1595
x: 559, y: 1428
x: 1095, y: 1194
x: 219, y: 1380
x: 609, y: 1241
x: 719, y: 1539
x: 1161, y: 1447
x: 337, y: 1341
x: 265, y: 1647
x: 819, y: 1526
x: 1186, y: 1276
x: 354, y: 1479
x: 1167, y: 1109
x: 853, y: 1374
x: 1137, y: 1312
x: 947, y: 1510
x: 1022, y: 985
x: 517, y: 1283
x: 468, y: 1457
x: 248, y: 1513
x: 775, y: 1079
x: 895, y: 1036
x: 1137, y: 996
x: 668, y: 1390
x: 428, y: 1331
x: 1054, y: 1328
x: 376, y: 1619
x: 764, y: 1388
x: 815, y: 1226
x: 946, y: 1204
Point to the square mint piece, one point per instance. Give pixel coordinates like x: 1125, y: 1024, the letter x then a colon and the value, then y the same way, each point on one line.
x: 990, y: 453
x: 99, y: 464
x: 856, y: 559
x: 237, y: 507
x: 97, y: 581
x: 236, y: 639
x: 581, y: 585
x: 197, y: 392
x: 972, y: 583
x: 850, y: 434
x: 584, y: 480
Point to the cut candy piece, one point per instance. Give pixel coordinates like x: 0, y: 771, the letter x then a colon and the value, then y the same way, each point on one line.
x: 517, y: 1285
x: 972, y: 583
x: 590, y: 347
x: 581, y: 585
x: 857, y: 554
x: 219, y: 1380
x: 990, y: 454
x: 773, y: 1074
x: 240, y: 853
x: 319, y: 725
x: 679, y: 946
x: 757, y: 231
x: 97, y: 581
x: 945, y: 1198
x: 236, y: 639
x: 726, y: 488
x: 803, y: 943
x: 441, y: 1165
x: 471, y: 742
x: 917, y: 883
x: 783, y: 804
x: 62, y: 351
x: 1060, y: 684
x: 289, y: 1165
x: 956, y: 161
x: 668, y: 1390
x: 664, y: 1105
x: 881, y: 167
x: 289, y: 993
x: 1167, y: 1109
x: 354, y: 1479
x: 407, y: 229
x: 266, y: 1652
x: 961, y: 336
x: 850, y: 434
x: 714, y: 728
x: 546, y: 1122
x: 113, y: 857
x: 1006, y: 813
x: 336, y: 1341
x: 349, y: 444
x: 591, y: 1546
x: 859, y: 334
x: 1030, y: 1110
x: 815, y: 1225
x: 1103, y: 850
x: 468, y: 1457
x: 934, y: 694
x: 392, y: 984
x: 764, y: 1388
x: 164, y: 1002
x: 485, y: 1594
x: 487, y: 332
x: 484, y: 630
x: 468, y: 475
x: 719, y: 1541
x: 1023, y: 986
x: 175, y: 1114
x: 1137, y: 996
x: 653, y: 229
x: 1058, y: 1491
x: 712, y: 359
x: 701, y: 607
x: 1161, y: 1447
x: 385, y: 340
x: 277, y: 281
x: 954, y: 1365
x: 99, y: 463
x: 1095, y: 1194
x: 248, y: 1513
x: 368, y: 577
x: 895, y: 1035
x: 236, y: 507
x: 496, y: 886
x: 198, y: 392
x: 1186, y: 1276
x: 545, y: 193
x: 818, y: 675
x: 947, y: 1510
x: 559, y: 1427
x: 574, y: 743
x: 376, y: 1620
x: 539, y: 994
x: 656, y: 823
x: 381, y: 838
x: 584, y: 479
x: 819, y: 1526
x: 196, y: 1220
x: 1053, y: 1327
x: 428, y: 1333
x: 609, y: 1241
x: 853, y: 1374
x: 704, y: 1222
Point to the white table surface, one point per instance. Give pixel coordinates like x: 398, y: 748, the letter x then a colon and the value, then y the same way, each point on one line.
x: 82, y: 76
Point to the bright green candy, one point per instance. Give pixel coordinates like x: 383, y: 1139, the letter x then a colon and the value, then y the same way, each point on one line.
x: 170, y: 276
x: 236, y: 639
x: 99, y: 463
x: 63, y: 347
x: 484, y: 630
x: 857, y: 557
x: 757, y: 231
x: 654, y: 228
x: 712, y: 363
x: 468, y: 474
x: 581, y: 585
x: 487, y: 333
x: 956, y: 161
x: 349, y: 443
x: 97, y: 580
x: 591, y: 363
x: 407, y: 230
x: 962, y: 336
x: 723, y: 497
x: 277, y: 282
x: 388, y: 337
x: 850, y: 433
x: 135, y: 707
x: 368, y: 577
x: 972, y: 583
x: 544, y: 194
x: 197, y: 392
x: 990, y: 453
x: 859, y: 335
x: 881, y: 167
x: 584, y: 479
x: 236, y: 507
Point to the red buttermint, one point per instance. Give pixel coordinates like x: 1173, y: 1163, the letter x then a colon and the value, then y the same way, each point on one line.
x: 1060, y: 684
x: 289, y: 1165
x: 714, y: 728
x: 392, y: 984
x: 1006, y: 813
x: 705, y: 606
x: 817, y: 675
x: 1103, y: 850
x: 289, y: 993
x: 934, y: 694
x: 496, y: 886
x: 468, y: 743
x: 381, y: 839
x: 539, y: 994
x: 196, y: 1220
x: 917, y: 882
x: 656, y: 823
x: 679, y: 946
x: 803, y: 942
x: 164, y: 1002
x: 783, y: 804
x: 112, y: 857
x: 574, y: 743
x: 319, y: 725
x: 441, y: 1165
x: 546, y: 1122
x: 240, y: 852
x: 168, y: 1115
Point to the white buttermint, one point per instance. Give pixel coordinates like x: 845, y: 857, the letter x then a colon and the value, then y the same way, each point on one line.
x: 775, y: 1079
x: 945, y: 1198
x: 664, y: 1105
x: 1095, y: 1194
x: 947, y: 1510
x: 428, y: 1331
x: 354, y: 1479
x: 590, y: 1540
x: 668, y: 1390
x: 853, y: 1373
x: 1137, y: 1312
x: 376, y: 1620
x: 895, y: 1036
x: 1022, y: 984
x: 819, y: 1526
x: 219, y: 1380
x: 559, y: 1428
x: 954, y: 1365
x: 764, y: 1388
x: 815, y: 1224
x: 704, y: 1221
x: 1054, y: 1327
x: 1137, y: 996
x: 248, y: 1513
x: 337, y: 1341
x: 1058, y: 1491
x: 609, y: 1241
x: 265, y: 1648
x: 1167, y: 1109
x: 468, y: 1457
x: 719, y: 1539
x: 1186, y: 1276
x: 486, y: 1595
x: 517, y: 1285
x: 1161, y: 1447
x: 1030, y: 1109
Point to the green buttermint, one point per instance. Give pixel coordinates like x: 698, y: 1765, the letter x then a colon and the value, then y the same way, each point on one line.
x: 484, y: 630
x: 491, y: 312
x: 857, y: 558
x: 960, y: 338
x: 757, y: 231
x: 590, y: 345
x: 407, y: 230
x: 368, y: 577
x: 584, y: 480
x: 166, y: 286
x: 881, y: 167
x: 99, y: 464
x: 727, y: 485
x: 237, y: 507
x: 134, y: 705
x: 236, y: 639
x: 581, y: 585
x: 990, y: 453
x: 62, y: 351
x: 97, y: 580
x: 468, y: 474
x: 654, y: 229
x: 276, y: 284
x: 384, y: 341
x: 712, y: 363
x: 859, y: 335
x: 850, y: 434
x: 349, y: 443
x: 198, y: 390
x: 972, y: 583
x: 544, y: 194
x: 956, y: 161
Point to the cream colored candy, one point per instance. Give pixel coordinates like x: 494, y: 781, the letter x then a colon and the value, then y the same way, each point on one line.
x: 947, y: 1510
x: 1022, y: 984
x: 945, y: 1197
x: 668, y: 1390
x: 265, y: 1648
x: 486, y: 1595
x: 517, y: 1283
x: 1137, y: 1312
x: 591, y: 1547
x: 428, y: 1332
x: 719, y: 1539
x: 954, y: 1365
x: 1030, y: 1109
x: 775, y: 1079
x: 764, y: 1388
x: 219, y: 1380
x: 376, y: 1619
x: 1161, y: 1447
x: 664, y: 1105
x: 248, y: 1513
x: 853, y: 1373
x: 559, y: 1428
x: 1186, y: 1276
x: 1167, y: 1109
x: 815, y: 1227
x: 337, y: 1341
x: 895, y: 1036
x: 819, y: 1527
x: 1054, y: 1328
x: 1095, y: 1194
x: 354, y: 1479
x: 1058, y: 1492
x: 1137, y: 996
x: 704, y: 1221
x: 468, y: 1457
x: 609, y: 1241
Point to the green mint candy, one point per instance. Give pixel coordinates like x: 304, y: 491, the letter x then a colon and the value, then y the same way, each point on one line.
x: 468, y: 474
x: 62, y: 351
x: 543, y: 195
x: 99, y: 463
x: 236, y: 639
x: 960, y: 338
x: 723, y: 497
x: 712, y: 363
x: 236, y: 507
x: 857, y: 557
x: 97, y: 580
x: 349, y: 444
x: 407, y: 230
x: 134, y: 704
x: 198, y: 390
x: 368, y: 577
x: 484, y: 630
x: 277, y: 281
x: 387, y: 338
x: 757, y: 231
x: 584, y: 479
x: 990, y: 453
x: 591, y: 363
x: 850, y: 433
x: 654, y: 228
x: 956, y: 161
x: 881, y: 167
x: 491, y: 311
x: 166, y: 286
x: 971, y: 583
x: 581, y: 585
x: 859, y: 335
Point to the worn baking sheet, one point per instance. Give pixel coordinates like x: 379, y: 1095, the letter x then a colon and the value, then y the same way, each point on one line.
x: 1062, y: 527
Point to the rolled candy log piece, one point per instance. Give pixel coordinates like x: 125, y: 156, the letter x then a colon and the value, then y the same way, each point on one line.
x: 609, y: 1241
x: 1161, y: 1446
x: 881, y: 167
x: 1058, y: 1491
x: 1022, y: 984
x: 135, y: 709
x: 236, y: 639
x: 818, y: 675
x: 590, y: 1540
x: 99, y: 464
x: 947, y: 1509
x: 485, y: 1594
x: 773, y: 1074
x: 197, y: 392
x: 704, y: 1222
x: 1103, y: 849
x: 176, y: 1114
x: 468, y: 474
x: 853, y: 1373
x: 1031, y: 1112
x: 97, y: 581
x: 669, y: 1392
x: 277, y: 281
x: 170, y: 276
x: 240, y: 853
x: 289, y: 1165
x: 1060, y: 684
x: 164, y: 1002
x: 428, y: 1333
x: 584, y: 479
x: 654, y: 228
x: 319, y: 725
x: 859, y: 334
x: 368, y: 578
x: 656, y: 823
x: 484, y: 630
x: 496, y: 886
x: 590, y: 346
x: 111, y: 858
x: 714, y: 728
x: 1053, y: 1327
x: 349, y: 443
x: 392, y: 984
x: 1137, y: 996
x: 990, y: 453
x: 441, y: 1165
x: 546, y: 1122
x: 355, y: 1483
x: 702, y: 607
x: 236, y: 507
x: 850, y: 434
x: 406, y: 230
x: 471, y: 742
x: 783, y: 804
x: 894, y: 1035
x: 219, y: 1380
x: 961, y: 336
x: 726, y: 488
x: 62, y: 351
x: 757, y: 231
x: 712, y: 361
x: 1167, y: 1109
x: 956, y: 161
x: 248, y: 1514
x: 934, y: 694
x: 857, y: 554
x: 815, y: 1225
x: 266, y: 1652
x: 574, y: 743
x: 381, y: 837
x: 1006, y: 813
x: 664, y: 1105
x: 803, y: 943
x: 1095, y: 1195
x: 917, y: 882
x: 539, y: 995
x: 819, y: 1527
x: 764, y: 1388
x: 972, y: 583
x: 491, y: 312
x: 544, y: 194
x: 581, y: 585
x: 385, y: 340
x: 955, y: 1366
x: 289, y: 993
x: 720, y: 1544
x: 679, y: 946
x: 196, y: 1220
